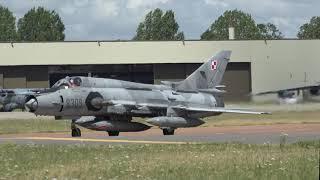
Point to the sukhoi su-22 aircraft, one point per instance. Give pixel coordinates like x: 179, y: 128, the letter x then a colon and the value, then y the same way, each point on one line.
x: 109, y: 105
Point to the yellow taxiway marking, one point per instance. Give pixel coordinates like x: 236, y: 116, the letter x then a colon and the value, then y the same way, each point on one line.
x: 98, y: 140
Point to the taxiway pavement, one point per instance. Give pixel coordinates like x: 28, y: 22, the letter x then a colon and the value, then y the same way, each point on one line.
x: 245, y: 134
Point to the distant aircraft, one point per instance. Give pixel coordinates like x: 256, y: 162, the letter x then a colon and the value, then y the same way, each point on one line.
x: 111, y: 107
x: 290, y: 95
x: 11, y: 99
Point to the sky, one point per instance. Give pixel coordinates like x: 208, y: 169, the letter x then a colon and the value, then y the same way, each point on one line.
x: 118, y: 19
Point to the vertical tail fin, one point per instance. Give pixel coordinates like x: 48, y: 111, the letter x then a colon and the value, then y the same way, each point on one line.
x: 208, y: 75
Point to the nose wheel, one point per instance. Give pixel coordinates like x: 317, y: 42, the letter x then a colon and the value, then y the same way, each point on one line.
x: 75, y: 132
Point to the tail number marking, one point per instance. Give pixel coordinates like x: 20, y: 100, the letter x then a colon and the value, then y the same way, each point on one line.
x: 75, y: 103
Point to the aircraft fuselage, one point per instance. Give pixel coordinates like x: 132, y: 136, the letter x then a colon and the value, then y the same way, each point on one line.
x: 113, y: 101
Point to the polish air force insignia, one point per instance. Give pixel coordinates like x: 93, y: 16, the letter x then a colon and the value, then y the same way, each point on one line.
x: 214, y: 65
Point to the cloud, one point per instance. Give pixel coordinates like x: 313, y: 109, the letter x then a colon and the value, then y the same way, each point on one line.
x: 217, y: 3
x: 105, y: 9
x: 134, y: 4
x: 288, y: 15
x: 118, y: 19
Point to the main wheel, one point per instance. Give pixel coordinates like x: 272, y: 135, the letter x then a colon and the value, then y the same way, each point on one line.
x: 113, y: 133
x: 167, y: 132
x: 76, y: 132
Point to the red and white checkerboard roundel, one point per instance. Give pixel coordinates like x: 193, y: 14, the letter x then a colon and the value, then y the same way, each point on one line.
x: 214, y: 64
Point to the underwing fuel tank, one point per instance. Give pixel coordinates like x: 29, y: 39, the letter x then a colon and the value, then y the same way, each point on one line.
x: 175, y: 122
x: 97, y: 124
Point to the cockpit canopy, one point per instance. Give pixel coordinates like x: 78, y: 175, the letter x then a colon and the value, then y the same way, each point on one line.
x: 68, y: 82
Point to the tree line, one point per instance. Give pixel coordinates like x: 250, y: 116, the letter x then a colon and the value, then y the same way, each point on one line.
x: 159, y: 25
x: 40, y: 24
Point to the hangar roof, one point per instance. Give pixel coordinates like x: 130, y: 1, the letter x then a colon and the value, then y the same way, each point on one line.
x: 146, y: 52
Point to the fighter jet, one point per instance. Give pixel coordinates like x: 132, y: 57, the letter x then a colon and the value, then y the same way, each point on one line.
x: 290, y: 95
x: 111, y: 108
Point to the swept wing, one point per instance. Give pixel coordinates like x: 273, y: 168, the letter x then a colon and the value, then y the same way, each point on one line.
x: 218, y: 110
x: 184, y: 108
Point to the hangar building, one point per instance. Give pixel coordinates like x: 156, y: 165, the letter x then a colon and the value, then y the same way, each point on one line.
x: 255, y: 65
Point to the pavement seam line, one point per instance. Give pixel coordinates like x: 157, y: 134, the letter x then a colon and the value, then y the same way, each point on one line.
x: 99, y: 140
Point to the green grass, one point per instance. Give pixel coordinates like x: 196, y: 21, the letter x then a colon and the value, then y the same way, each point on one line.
x: 279, y: 117
x: 191, y: 161
x: 33, y: 125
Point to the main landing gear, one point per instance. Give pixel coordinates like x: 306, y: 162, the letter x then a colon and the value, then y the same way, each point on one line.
x: 113, y: 133
x: 75, y: 132
x: 168, y: 131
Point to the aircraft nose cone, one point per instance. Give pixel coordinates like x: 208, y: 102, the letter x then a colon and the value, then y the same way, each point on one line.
x: 31, y: 105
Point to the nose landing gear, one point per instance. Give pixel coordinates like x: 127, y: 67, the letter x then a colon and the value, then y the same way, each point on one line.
x: 75, y: 131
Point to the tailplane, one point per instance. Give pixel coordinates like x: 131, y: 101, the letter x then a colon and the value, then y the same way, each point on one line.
x: 207, y: 76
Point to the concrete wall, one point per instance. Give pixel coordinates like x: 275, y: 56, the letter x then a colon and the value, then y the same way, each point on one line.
x: 64, y: 53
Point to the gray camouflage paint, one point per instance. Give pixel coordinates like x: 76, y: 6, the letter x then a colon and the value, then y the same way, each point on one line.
x: 64, y: 102
x: 75, y: 99
x: 98, y: 103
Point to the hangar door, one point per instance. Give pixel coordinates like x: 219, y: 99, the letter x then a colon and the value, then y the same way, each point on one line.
x: 238, y: 81
x: 13, y: 77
